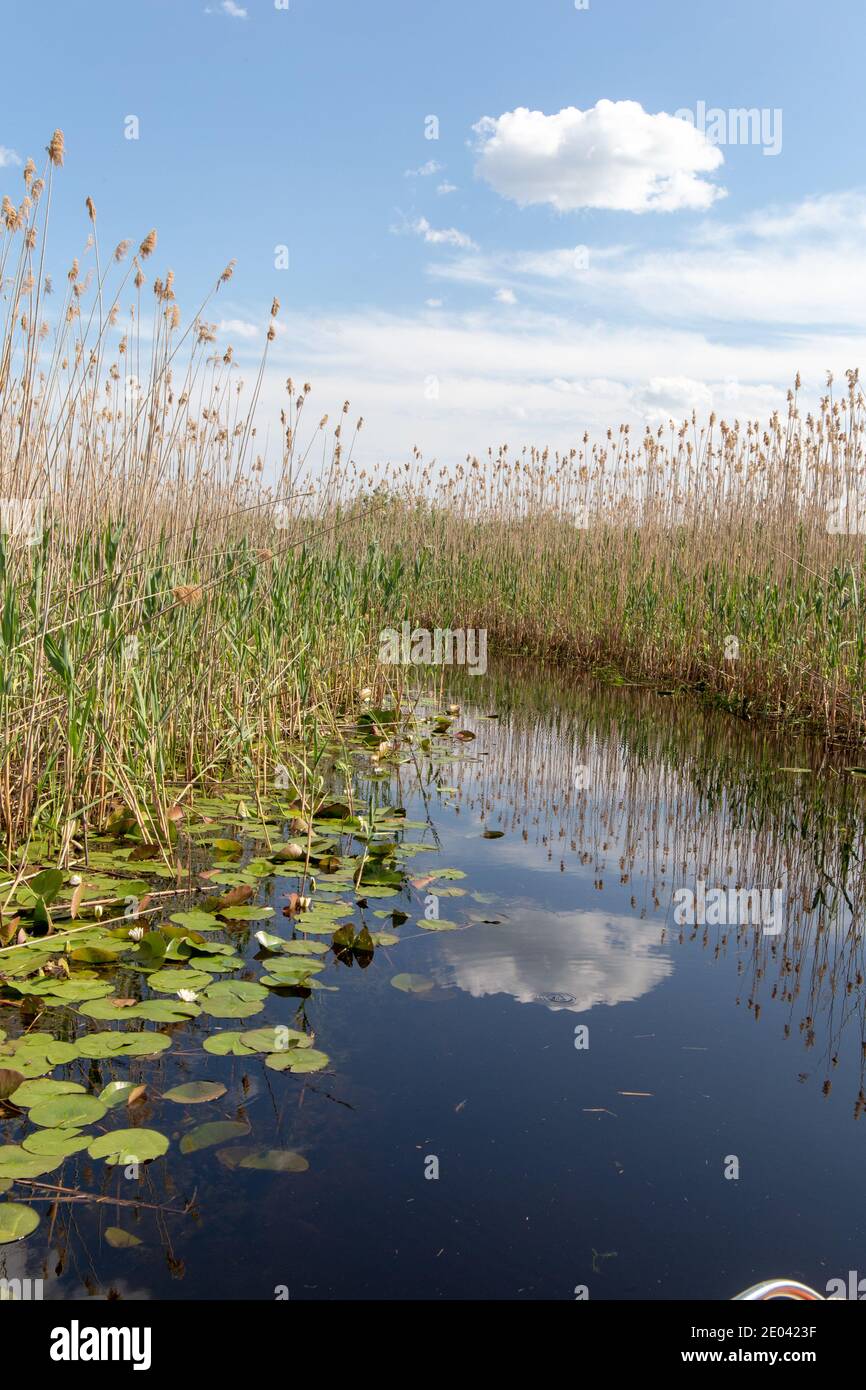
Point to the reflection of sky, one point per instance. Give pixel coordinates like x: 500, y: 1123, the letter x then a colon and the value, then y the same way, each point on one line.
x: 580, y: 958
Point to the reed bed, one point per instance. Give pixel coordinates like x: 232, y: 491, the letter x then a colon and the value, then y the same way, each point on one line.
x: 181, y: 602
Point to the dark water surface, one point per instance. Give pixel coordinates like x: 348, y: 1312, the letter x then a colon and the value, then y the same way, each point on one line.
x: 743, y: 1045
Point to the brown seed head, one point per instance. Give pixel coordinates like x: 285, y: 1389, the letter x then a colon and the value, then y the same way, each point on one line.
x: 56, y: 148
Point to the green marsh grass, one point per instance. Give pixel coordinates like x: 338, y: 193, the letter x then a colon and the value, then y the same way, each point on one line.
x: 187, y: 608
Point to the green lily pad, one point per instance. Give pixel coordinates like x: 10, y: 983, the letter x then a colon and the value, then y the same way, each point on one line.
x: 119, y: 1239
x: 66, y: 1111
x: 297, y: 1059
x: 116, y: 1092
x: 196, y: 920
x: 214, y: 1132
x: 170, y: 981
x: 29, y: 1092
x: 246, y: 914
x: 412, y: 984
x: 16, y: 1222
x: 195, y: 1092
x: 59, y: 1142
x: 129, y: 1146
x: 270, y: 1160
x: 227, y: 1044
x: 122, y: 1044
x: 16, y: 1162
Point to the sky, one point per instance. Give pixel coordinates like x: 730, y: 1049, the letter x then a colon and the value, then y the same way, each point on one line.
x: 487, y: 221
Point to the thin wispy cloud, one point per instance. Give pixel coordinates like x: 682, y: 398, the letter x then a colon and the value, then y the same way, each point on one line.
x: 441, y: 236
x: 425, y: 170
x: 229, y: 8
x: 8, y: 157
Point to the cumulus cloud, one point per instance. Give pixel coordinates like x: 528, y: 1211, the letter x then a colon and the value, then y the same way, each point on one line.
x: 443, y: 188
x: 561, y: 960
x: 614, y: 155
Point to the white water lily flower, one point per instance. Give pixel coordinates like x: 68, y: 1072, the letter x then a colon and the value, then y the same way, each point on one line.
x: 136, y: 933
x: 187, y: 996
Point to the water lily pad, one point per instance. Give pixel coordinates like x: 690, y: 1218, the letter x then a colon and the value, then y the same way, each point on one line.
x: 271, y: 1160
x: 227, y: 1044
x: 16, y: 1162
x: 195, y: 1092
x: 129, y: 1146
x: 16, y: 1222
x: 233, y: 999
x: 60, y: 1142
x: 412, y: 984
x: 120, y: 1239
x: 117, y: 1092
x: 275, y: 1038
x: 247, y: 914
x: 66, y: 1111
x: 214, y: 1132
x: 298, y: 1059
x: 29, y: 1092
x: 122, y: 1044
x: 196, y: 920
x: 170, y: 981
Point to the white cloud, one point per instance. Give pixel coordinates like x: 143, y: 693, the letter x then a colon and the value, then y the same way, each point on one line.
x: 576, y: 961
x: 443, y: 188
x: 8, y: 157
x: 444, y: 236
x: 240, y: 328
x: 785, y: 266
x: 505, y: 297
x: 431, y: 167
x: 614, y: 155
x: 535, y: 378
x: 228, y: 7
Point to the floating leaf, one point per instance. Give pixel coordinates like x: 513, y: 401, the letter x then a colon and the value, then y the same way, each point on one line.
x: 10, y: 1081
x: 271, y: 1160
x: 16, y: 1162
x: 196, y: 920
x: 59, y: 1142
x: 29, y: 1092
x: 129, y: 1146
x: 16, y: 1222
x: 120, y: 1239
x: 195, y: 1092
x: 122, y: 1044
x: 66, y: 1111
x: 214, y: 1132
x: 298, y: 1059
x: 412, y: 984
x: 227, y: 1044
x: 169, y: 981
x: 247, y: 914
x: 233, y: 999
x: 117, y: 1092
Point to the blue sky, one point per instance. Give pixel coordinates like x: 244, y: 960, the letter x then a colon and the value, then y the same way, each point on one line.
x: 556, y: 265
